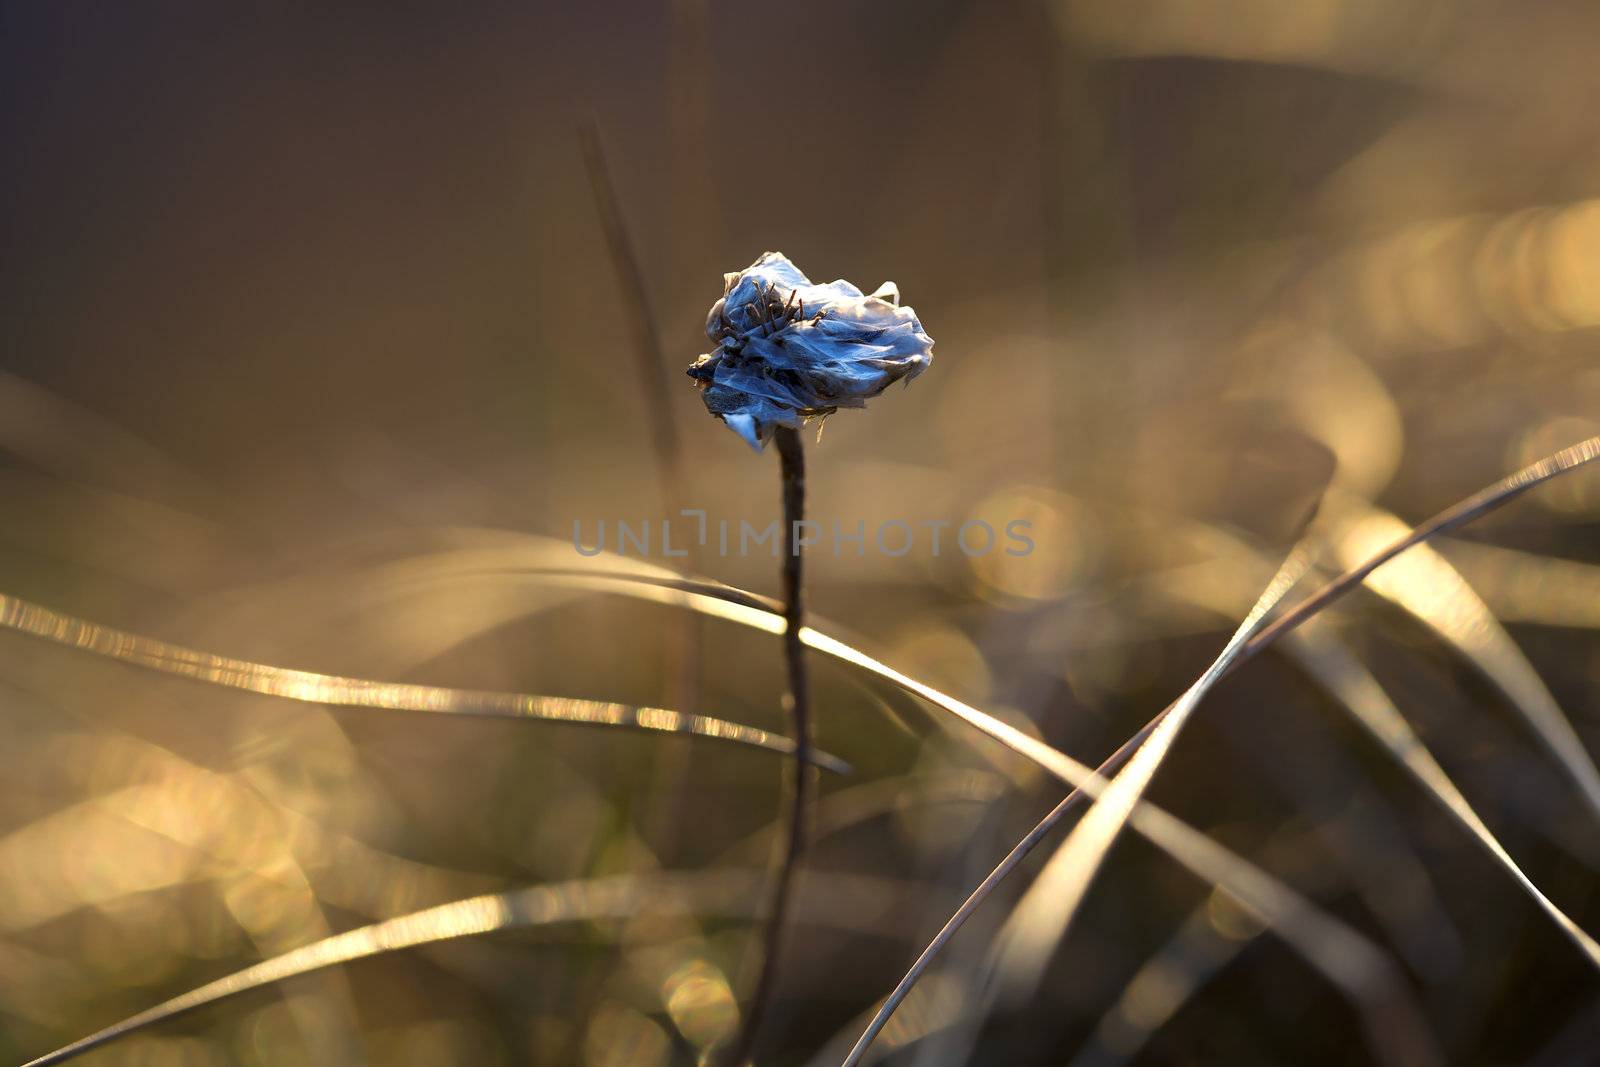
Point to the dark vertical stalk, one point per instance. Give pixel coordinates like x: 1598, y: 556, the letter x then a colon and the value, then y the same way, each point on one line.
x: 682, y: 652
x: 641, y: 320
x: 792, y: 460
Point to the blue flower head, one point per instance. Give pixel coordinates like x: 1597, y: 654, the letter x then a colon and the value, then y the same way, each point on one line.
x: 788, y: 350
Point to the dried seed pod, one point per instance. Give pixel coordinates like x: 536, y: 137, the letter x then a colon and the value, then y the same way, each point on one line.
x: 790, y: 367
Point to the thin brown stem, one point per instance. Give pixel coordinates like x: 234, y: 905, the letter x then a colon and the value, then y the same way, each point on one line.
x: 792, y: 460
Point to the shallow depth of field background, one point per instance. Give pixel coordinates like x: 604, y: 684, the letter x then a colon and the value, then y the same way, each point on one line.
x: 311, y: 341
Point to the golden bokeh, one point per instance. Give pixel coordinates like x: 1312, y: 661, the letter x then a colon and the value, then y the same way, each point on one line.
x: 324, y: 744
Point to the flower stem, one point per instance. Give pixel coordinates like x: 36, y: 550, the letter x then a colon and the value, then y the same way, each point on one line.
x: 791, y: 455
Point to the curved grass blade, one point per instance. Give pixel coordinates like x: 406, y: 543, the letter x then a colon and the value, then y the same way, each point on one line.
x: 1331, y: 663
x: 1026, y: 962
x: 1347, y: 959
x: 1478, y: 504
x: 35, y: 620
x: 1332, y: 947
x: 1384, y: 1003
x: 1425, y: 584
x: 1475, y: 506
x: 1040, y: 920
x: 1343, y: 675
x: 1199, y: 950
x: 726, y: 893
x: 935, y: 1006
x: 1338, y: 952
x: 1525, y: 587
x: 616, y: 897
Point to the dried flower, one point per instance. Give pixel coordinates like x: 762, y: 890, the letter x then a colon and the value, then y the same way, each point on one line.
x: 788, y: 350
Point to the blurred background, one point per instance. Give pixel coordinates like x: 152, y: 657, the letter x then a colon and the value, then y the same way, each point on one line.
x: 315, y: 349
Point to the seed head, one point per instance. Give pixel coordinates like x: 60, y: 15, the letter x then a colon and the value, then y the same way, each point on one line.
x: 788, y: 350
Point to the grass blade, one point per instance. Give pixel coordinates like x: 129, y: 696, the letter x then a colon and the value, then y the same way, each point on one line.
x: 151, y: 653
x: 1351, y: 962
x: 1042, y: 917
x: 1342, y: 955
x: 1475, y: 506
x: 1331, y: 947
x: 617, y: 897
x: 726, y: 893
x: 1343, y: 675
x: 1478, y: 504
x: 1331, y: 663
x: 1525, y: 587
x: 1425, y: 584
